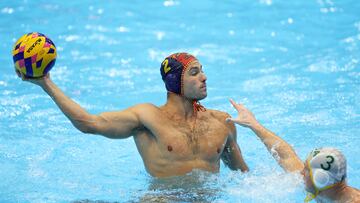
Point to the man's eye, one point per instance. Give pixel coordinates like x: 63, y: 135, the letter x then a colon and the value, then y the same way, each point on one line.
x: 194, y: 72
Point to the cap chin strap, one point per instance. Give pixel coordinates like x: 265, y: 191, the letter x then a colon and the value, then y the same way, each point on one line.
x: 198, y: 107
x: 310, y: 196
x: 195, y: 103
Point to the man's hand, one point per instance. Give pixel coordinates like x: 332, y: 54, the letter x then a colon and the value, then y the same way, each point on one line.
x: 245, y: 117
x: 285, y: 155
x: 37, y: 81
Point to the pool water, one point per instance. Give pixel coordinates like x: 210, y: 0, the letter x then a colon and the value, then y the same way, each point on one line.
x: 295, y: 64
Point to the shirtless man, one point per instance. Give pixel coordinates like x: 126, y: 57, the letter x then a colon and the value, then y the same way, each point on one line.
x: 172, y: 139
x: 324, y: 170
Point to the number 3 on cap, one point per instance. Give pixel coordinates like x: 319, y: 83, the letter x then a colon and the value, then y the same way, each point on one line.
x: 328, y: 166
x: 166, y: 67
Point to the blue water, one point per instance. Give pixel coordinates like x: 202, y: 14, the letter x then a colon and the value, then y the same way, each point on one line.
x: 295, y: 64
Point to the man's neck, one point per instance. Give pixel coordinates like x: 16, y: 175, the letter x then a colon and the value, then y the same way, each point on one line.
x: 335, y: 193
x: 180, y: 105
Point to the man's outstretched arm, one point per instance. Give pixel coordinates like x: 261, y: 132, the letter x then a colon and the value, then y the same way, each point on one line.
x: 279, y: 149
x: 113, y: 124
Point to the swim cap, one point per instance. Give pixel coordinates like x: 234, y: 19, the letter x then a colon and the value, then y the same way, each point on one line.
x: 172, y: 70
x: 327, y: 168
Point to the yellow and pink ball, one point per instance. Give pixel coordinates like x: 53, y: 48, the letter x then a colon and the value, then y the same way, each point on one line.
x: 34, y: 55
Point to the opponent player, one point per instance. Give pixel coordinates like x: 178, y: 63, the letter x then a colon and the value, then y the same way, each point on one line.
x: 324, y: 170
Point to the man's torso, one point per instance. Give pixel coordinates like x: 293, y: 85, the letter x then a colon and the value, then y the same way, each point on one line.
x: 172, y: 146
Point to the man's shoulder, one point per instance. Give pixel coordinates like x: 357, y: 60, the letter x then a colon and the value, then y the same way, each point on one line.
x: 148, y: 113
x: 145, y: 107
x: 221, y: 117
x: 218, y: 114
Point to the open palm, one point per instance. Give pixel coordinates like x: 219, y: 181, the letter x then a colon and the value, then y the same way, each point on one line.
x: 245, y: 117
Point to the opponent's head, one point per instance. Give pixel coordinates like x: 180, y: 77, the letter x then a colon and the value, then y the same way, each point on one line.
x: 324, y: 168
x: 182, y: 74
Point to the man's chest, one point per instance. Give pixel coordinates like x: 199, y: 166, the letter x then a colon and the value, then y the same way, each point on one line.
x: 203, y: 138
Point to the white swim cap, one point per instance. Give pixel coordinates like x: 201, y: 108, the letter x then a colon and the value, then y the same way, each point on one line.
x: 327, y: 167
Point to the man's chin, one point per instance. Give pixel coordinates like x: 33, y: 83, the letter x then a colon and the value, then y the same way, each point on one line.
x: 202, y: 97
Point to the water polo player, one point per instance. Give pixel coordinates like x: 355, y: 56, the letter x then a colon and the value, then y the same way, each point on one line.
x: 172, y: 139
x: 324, y: 170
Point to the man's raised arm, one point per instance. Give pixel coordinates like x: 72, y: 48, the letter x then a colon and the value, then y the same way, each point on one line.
x: 279, y: 149
x: 112, y: 124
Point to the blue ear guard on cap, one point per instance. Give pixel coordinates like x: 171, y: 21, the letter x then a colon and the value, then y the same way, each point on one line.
x: 171, y: 73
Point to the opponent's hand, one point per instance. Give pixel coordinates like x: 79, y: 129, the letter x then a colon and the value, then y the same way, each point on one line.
x: 245, y: 117
x: 37, y: 81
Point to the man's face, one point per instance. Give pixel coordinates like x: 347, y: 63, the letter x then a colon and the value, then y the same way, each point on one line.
x: 309, y: 186
x: 194, y: 82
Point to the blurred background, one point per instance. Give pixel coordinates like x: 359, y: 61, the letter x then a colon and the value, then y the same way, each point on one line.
x: 295, y: 64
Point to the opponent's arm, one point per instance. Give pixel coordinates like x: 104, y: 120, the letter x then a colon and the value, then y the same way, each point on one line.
x: 231, y: 154
x: 112, y: 124
x: 279, y: 149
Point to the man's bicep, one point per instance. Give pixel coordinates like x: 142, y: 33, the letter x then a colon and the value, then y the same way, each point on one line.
x: 293, y: 165
x: 291, y: 162
x: 120, y: 124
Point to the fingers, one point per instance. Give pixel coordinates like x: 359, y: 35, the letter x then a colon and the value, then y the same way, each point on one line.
x: 235, y: 105
x: 23, y: 77
x: 229, y: 120
x: 236, y: 121
x: 37, y: 81
x: 18, y: 73
x: 232, y: 102
x: 232, y: 120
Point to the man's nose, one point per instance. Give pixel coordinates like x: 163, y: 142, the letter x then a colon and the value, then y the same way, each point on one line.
x: 203, y: 77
